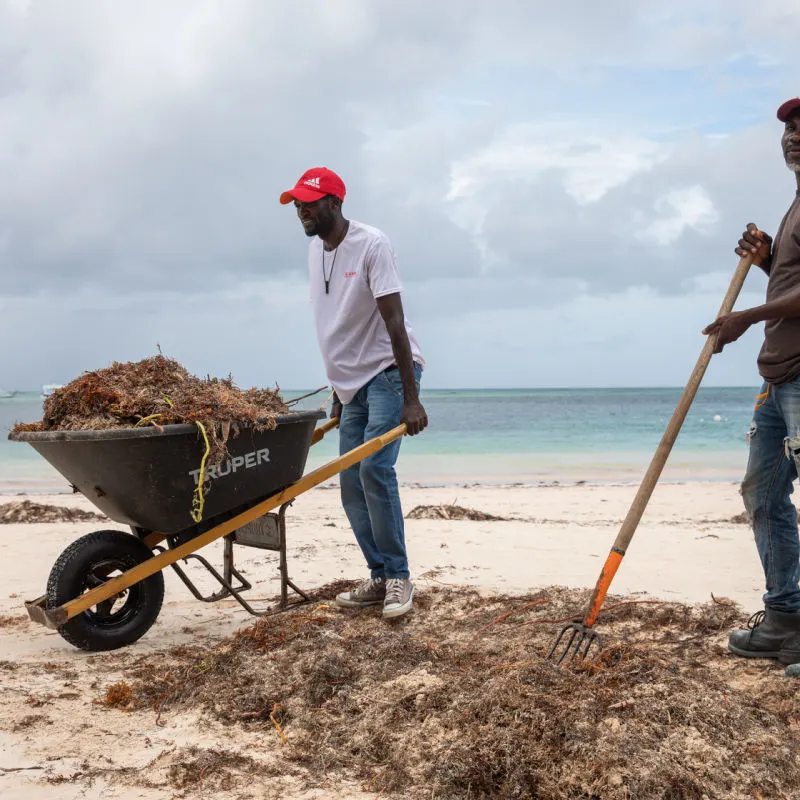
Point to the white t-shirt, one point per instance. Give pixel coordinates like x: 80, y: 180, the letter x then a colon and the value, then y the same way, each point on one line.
x: 352, y: 335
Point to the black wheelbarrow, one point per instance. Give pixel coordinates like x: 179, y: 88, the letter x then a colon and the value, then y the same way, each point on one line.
x: 106, y: 589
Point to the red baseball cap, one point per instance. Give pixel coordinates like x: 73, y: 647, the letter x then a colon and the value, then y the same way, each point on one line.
x: 788, y: 108
x: 313, y: 185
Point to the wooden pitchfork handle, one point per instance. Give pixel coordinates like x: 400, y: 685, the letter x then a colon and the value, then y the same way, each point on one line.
x: 653, y: 473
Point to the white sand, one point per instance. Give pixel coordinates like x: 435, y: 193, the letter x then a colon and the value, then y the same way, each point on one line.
x: 685, y: 549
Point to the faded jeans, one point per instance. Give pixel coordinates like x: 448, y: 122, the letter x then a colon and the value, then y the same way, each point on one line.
x: 766, y: 489
x: 370, y: 494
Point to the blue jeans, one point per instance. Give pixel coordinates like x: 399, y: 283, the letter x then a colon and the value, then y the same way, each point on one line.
x: 370, y: 495
x: 766, y: 489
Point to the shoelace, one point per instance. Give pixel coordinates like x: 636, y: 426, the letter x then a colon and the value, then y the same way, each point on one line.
x: 756, y: 620
x: 394, y: 591
x: 367, y: 587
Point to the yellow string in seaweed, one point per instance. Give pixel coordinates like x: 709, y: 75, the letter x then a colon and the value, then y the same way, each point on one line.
x: 145, y: 420
x: 275, y: 722
x: 198, y: 499
x: 151, y: 417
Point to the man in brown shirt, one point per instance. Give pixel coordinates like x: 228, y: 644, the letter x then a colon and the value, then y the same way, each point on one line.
x: 775, y: 431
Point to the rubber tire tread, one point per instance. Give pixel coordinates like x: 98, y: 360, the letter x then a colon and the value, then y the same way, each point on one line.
x: 66, y: 575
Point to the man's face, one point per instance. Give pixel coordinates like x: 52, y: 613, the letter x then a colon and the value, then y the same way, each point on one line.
x: 317, y: 218
x: 790, y: 141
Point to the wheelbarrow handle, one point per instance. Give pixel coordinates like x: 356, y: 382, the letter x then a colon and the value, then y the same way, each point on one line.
x: 319, y: 433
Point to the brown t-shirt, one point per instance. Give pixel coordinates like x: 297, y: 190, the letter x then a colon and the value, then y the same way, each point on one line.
x: 779, y: 359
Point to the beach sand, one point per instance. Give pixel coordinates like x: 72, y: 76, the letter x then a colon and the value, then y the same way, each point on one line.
x: 687, y: 547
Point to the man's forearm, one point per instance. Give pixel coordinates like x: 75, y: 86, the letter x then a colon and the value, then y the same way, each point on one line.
x: 391, y: 309
x: 401, y: 348
x: 782, y: 308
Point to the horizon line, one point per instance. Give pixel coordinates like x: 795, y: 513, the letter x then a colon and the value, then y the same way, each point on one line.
x: 508, y: 388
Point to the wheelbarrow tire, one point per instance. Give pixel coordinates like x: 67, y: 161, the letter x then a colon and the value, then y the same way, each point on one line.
x: 74, y: 573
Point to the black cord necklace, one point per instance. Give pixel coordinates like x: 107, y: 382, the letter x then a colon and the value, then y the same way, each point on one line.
x: 327, y: 278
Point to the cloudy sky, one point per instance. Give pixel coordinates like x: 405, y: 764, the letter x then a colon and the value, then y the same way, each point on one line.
x: 564, y: 183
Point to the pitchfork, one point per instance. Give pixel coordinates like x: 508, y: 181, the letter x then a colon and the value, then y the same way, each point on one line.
x: 577, y: 638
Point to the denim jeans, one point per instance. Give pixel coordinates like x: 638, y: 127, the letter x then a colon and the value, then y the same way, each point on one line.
x: 766, y: 489
x: 370, y: 495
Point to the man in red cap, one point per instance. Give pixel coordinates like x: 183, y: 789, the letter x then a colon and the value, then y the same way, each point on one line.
x: 374, y: 363
x: 775, y: 430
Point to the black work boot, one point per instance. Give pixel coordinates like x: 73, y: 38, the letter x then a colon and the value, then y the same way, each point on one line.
x: 766, y: 632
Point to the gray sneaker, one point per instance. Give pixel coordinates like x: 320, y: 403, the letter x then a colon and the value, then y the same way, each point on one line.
x: 368, y: 593
x: 399, y: 597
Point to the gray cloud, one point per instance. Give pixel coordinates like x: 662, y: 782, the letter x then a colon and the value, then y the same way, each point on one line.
x: 540, y: 229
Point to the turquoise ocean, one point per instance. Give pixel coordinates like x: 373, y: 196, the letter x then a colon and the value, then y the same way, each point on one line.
x: 507, y: 436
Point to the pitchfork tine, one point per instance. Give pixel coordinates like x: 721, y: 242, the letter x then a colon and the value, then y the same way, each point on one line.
x: 590, y: 636
x: 581, y: 636
x: 575, y: 631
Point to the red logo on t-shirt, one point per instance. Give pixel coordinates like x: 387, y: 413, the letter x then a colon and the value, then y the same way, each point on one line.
x: 350, y: 274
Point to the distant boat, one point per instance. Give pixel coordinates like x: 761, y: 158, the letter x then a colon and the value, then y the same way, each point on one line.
x: 49, y: 388
x: 5, y: 394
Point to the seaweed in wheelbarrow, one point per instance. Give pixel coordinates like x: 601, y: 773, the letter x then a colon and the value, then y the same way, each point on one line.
x: 159, y: 391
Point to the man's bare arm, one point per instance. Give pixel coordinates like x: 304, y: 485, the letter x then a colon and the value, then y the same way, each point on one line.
x: 414, y: 415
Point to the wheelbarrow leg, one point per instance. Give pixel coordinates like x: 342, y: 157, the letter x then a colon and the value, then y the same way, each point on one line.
x: 228, y: 590
x: 231, y: 574
x: 286, y: 581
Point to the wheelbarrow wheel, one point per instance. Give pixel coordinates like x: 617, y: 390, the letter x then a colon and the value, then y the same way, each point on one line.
x: 89, y: 562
